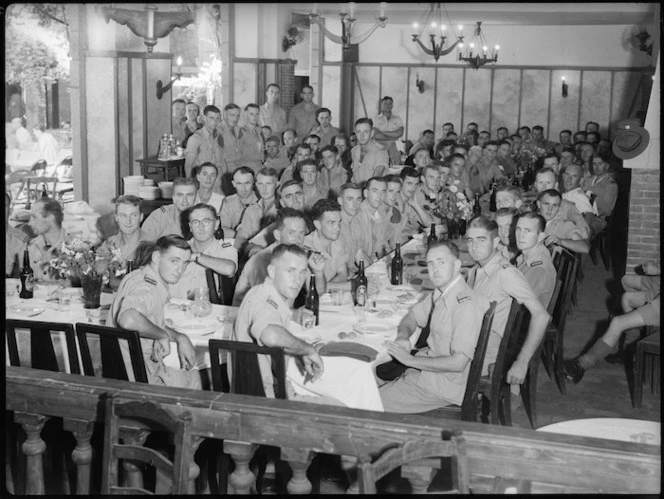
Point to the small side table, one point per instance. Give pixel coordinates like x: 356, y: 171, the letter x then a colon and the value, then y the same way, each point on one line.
x: 149, y: 205
x: 162, y: 164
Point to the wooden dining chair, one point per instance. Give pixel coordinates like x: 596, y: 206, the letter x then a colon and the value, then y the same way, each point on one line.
x: 34, y: 183
x: 110, y: 352
x: 470, y: 407
x: 646, y: 366
x: 221, y: 287
x: 418, y: 453
x: 122, y: 415
x: 39, y: 167
x: 495, y: 390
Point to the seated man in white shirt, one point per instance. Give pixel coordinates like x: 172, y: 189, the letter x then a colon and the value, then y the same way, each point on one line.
x: 49, y: 149
x: 326, y: 215
x: 207, y: 253
x: 560, y: 231
x: 167, y: 219
x: 572, y: 177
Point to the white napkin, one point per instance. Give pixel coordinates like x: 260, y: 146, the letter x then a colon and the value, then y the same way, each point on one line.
x: 348, y: 380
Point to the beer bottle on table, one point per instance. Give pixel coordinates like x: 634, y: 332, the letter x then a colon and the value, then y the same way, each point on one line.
x: 16, y: 268
x: 432, y: 235
x: 396, y: 277
x: 492, y: 199
x: 27, y: 277
x: 130, y: 265
x: 311, y: 302
x: 477, y: 209
x: 44, y: 192
x: 361, y: 290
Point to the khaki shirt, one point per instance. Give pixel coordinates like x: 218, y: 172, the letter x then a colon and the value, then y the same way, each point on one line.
x: 350, y: 228
x: 455, y: 327
x: 335, y: 259
x: 537, y: 267
x: 501, y: 282
x: 251, y: 148
x: 229, y: 139
x: 216, y: 200
x: 376, y: 156
x: 301, y: 120
x: 233, y: 209
x: 606, y: 190
x: 280, y: 163
x: 251, y: 221
x: 373, y: 230
x: 253, y: 273
x: 385, y: 124
x: 15, y: 243
x: 262, y: 306
x: 310, y: 197
x: 179, y: 127
x: 326, y: 136
x: 332, y: 180
x: 427, y: 200
x: 275, y: 118
x: 202, y: 147
x: 569, y: 211
x: 564, y: 228
x: 161, y: 222
x: 41, y: 254
x: 127, y: 250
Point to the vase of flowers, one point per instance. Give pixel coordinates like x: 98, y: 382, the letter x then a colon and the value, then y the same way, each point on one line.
x: 453, y: 205
x: 92, y: 265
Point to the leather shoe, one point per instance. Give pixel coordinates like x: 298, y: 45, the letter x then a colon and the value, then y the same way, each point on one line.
x: 615, y: 358
x: 573, y: 371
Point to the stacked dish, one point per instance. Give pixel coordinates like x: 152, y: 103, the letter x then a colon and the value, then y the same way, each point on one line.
x: 149, y: 192
x: 166, y: 189
x: 132, y: 184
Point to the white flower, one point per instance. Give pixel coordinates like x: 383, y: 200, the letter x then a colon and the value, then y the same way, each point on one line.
x: 454, y: 188
x: 461, y: 195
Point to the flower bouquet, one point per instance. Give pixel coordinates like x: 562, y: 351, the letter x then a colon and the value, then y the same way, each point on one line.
x: 453, y: 205
x: 93, y: 266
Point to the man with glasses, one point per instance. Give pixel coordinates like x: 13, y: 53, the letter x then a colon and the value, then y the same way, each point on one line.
x: 128, y: 218
x: 167, y: 219
x: 207, y: 253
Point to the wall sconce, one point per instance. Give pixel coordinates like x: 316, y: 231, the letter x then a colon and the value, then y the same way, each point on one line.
x: 161, y: 89
x: 564, y: 87
x: 419, y: 84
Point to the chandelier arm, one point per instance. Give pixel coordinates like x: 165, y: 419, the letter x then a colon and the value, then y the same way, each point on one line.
x: 451, y: 47
x: 416, y: 38
x: 380, y: 23
x: 335, y: 38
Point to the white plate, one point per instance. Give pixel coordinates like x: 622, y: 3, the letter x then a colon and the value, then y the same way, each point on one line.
x: 30, y: 309
x: 196, y: 327
x: 372, y: 328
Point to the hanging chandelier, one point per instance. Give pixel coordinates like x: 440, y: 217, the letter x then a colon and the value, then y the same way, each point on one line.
x: 347, y: 20
x: 477, y: 53
x: 434, y: 22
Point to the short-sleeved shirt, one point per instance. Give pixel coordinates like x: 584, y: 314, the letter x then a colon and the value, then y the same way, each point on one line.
x: 251, y: 146
x: 41, y: 254
x: 128, y: 250
x: 15, y: 243
x: 301, y: 119
x: 203, y: 147
x: 262, y: 306
x: 233, y: 209
x: 455, y: 326
x: 194, y: 274
x: 580, y: 200
x: 564, y: 228
x: 280, y: 163
x: 251, y: 221
x: 336, y: 257
x: 215, y: 200
x: 229, y: 138
x: 537, y: 267
x: 350, y: 228
x: 375, y: 157
x: 326, y: 136
x: 606, y: 190
x: 287, y: 174
x: 501, y: 282
x: 413, y: 220
x: 274, y: 117
x: 373, y: 229
x: 310, y: 197
x: 397, y: 221
x: 385, y: 124
x: 331, y: 180
x: 265, y: 236
x: 253, y: 273
x: 569, y: 211
x: 161, y: 222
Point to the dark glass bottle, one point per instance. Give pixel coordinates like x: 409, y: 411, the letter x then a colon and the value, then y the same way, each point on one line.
x: 44, y: 191
x: 396, y: 277
x: 311, y: 303
x: 130, y: 265
x: 361, y: 289
x: 528, y: 178
x: 27, y: 277
x: 16, y: 268
x: 432, y: 235
x: 492, y: 199
x: 477, y: 209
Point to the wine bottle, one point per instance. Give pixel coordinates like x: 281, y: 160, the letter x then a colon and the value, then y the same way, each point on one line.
x: 492, y: 198
x: 27, y: 277
x: 361, y: 290
x: 44, y: 191
x: 432, y: 235
x: 477, y: 209
x: 311, y: 302
x: 396, y: 277
x: 130, y: 265
x: 16, y: 268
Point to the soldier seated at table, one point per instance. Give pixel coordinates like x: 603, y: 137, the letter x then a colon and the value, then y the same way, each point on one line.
x: 207, y: 253
x: 560, y: 231
x: 436, y: 375
x: 260, y: 213
x: 128, y: 218
x: 508, y: 196
x: 506, y: 220
x: 326, y: 215
x: 46, y: 223
x: 290, y: 228
x: 168, y: 218
x: 233, y: 208
x: 139, y: 306
x: 267, y: 309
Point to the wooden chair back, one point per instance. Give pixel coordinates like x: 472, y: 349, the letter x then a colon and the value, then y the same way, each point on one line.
x: 412, y: 451
x: 15, y: 182
x: 120, y: 415
x: 42, y: 348
x: 112, y: 361
x: 221, y: 287
x: 39, y: 166
x: 246, y: 376
x: 34, y: 182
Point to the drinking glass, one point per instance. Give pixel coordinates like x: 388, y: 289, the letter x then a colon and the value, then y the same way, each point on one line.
x: 337, y: 296
x: 308, y: 319
x: 360, y: 313
x: 64, y: 299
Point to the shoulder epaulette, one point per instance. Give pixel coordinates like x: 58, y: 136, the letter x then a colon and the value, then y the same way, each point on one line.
x: 226, y: 245
x: 462, y: 299
x: 163, y: 208
x: 270, y: 301
x: 535, y: 264
x: 150, y: 280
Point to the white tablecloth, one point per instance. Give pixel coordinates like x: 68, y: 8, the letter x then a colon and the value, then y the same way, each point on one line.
x: 626, y: 430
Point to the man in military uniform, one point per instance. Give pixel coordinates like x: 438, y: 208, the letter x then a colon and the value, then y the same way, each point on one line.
x: 437, y: 374
x: 535, y: 261
x: 250, y: 141
x: 302, y: 152
x: 308, y: 170
x: 497, y: 280
x: 370, y: 159
x: 167, y: 219
x: 332, y: 175
x: 415, y: 215
x: 273, y: 157
x: 388, y: 128
x: 233, y: 208
x: 427, y: 193
x: 326, y: 215
x: 271, y: 113
x: 291, y: 228
x: 204, y: 146
x: 264, y: 210
x: 350, y: 199
x: 302, y: 116
x: 139, y: 306
x: 229, y: 136
x: 128, y: 219
x: 559, y: 231
x: 374, y: 225
x: 505, y: 221
x: 324, y: 129
x: 265, y: 312
x: 46, y: 223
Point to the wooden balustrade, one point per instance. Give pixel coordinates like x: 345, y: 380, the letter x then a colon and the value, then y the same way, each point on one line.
x: 550, y: 462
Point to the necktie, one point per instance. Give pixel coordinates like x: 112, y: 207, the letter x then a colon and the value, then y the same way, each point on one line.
x: 424, y: 335
x: 396, y: 215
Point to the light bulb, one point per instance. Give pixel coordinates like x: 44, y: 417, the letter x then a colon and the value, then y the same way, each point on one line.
x: 484, y: 48
x: 563, y: 78
x: 433, y: 24
x: 472, y: 45
x: 460, y: 27
x: 497, y: 48
x: 442, y: 27
x: 415, y: 25
x: 179, y: 61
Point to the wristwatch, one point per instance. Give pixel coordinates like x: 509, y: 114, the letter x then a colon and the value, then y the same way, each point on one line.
x: 196, y: 258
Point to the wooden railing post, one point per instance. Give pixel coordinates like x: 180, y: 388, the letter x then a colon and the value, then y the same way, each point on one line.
x: 33, y: 448
x: 419, y: 477
x: 82, y: 454
x: 299, y: 461
x: 242, y: 479
x: 349, y: 465
x: 194, y: 469
x: 133, y: 473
